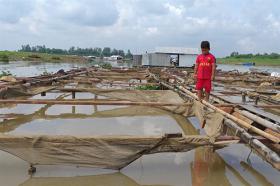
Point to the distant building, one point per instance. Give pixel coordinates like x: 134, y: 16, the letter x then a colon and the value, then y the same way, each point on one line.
x: 137, y: 60
x: 184, y: 57
x: 154, y: 59
x: 90, y: 57
x: 116, y: 58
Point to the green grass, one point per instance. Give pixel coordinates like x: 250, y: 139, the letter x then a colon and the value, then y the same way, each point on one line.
x: 40, y: 57
x: 106, y: 66
x: 5, y: 73
x: 260, y: 61
x: 4, y: 58
x: 148, y: 87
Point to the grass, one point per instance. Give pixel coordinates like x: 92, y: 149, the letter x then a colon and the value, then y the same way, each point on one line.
x: 40, y: 57
x: 5, y: 73
x: 259, y: 61
x: 106, y: 66
x: 148, y: 87
x: 4, y: 58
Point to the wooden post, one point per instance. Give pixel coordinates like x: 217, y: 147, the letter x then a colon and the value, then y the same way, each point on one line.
x: 243, y: 97
x: 257, y: 98
x: 73, y: 109
x: 73, y: 95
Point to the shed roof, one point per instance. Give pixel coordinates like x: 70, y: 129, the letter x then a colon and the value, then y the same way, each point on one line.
x: 176, y: 50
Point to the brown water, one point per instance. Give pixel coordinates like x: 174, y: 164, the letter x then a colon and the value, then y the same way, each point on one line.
x: 233, y: 165
x: 202, y: 166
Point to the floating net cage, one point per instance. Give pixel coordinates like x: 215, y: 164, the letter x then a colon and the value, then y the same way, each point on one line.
x: 114, y: 151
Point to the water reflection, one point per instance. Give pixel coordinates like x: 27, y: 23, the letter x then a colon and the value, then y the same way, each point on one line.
x: 201, y: 166
x: 116, y: 179
x: 208, y: 168
x: 28, y: 69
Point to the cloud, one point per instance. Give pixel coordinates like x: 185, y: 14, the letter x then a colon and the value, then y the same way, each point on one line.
x: 83, y: 12
x: 141, y: 25
x: 11, y: 11
x: 177, y: 10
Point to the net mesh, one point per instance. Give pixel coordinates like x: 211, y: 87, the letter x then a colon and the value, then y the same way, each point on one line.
x: 114, y: 152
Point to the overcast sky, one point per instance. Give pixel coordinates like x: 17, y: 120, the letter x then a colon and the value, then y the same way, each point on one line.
x: 141, y: 25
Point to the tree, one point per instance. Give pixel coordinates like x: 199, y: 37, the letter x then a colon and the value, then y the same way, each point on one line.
x: 114, y: 52
x: 106, y: 52
x: 121, y: 53
x: 73, y: 51
x: 234, y: 54
x: 129, y: 55
x: 25, y: 48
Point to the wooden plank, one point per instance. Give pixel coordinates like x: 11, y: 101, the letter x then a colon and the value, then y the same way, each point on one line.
x: 226, y: 109
x: 259, y: 120
x: 272, y: 132
x: 247, y: 120
x: 253, y: 109
x: 261, y: 113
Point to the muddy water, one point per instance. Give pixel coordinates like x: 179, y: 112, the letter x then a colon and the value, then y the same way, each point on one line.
x: 228, y: 166
x: 233, y: 165
x: 243, y: 68
x: 27, y: 68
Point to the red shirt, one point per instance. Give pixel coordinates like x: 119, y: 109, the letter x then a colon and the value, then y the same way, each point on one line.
x: 204, y: 66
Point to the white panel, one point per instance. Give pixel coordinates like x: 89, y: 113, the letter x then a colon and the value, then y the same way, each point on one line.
x: 145, y: 60
x: 187, y: 60
x: 160, y: 60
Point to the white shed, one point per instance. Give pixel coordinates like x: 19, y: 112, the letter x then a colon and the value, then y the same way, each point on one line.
x: 153, y: 59
x: 186, y: 56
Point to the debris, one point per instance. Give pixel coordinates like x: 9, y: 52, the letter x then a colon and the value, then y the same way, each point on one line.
x: 8, y: 79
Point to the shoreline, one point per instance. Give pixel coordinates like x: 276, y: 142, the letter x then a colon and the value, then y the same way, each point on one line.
x: 258, y: 61
x: 256, y: 65
x: 14, y: 56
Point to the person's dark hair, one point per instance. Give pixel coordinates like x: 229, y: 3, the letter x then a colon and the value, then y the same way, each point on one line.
x: 205, y: 44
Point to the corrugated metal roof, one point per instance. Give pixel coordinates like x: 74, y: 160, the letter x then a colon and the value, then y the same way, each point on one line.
x: 176, y: 50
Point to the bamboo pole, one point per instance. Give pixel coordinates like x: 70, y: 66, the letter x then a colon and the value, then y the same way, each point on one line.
x: 93, y: 102
x: 270, y: 156
x: 259, y: 120
x: 237, y: 104
x: 233, y: 118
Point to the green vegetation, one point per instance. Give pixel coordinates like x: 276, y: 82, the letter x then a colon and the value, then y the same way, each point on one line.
x: 46, y: 73
x: 40, y: 57
x: 98, y: 52
x: 265, y: 59
x: 4, y: 58
x: 5, y: 73
x: 148, y: 87
x: 106, y: 66
x: 44, y: 54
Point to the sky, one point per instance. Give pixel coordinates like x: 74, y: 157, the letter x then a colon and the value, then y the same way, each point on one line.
x: 246, y: 26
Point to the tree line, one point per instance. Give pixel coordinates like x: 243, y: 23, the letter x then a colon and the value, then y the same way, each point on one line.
x: 258, y: 55
x: 98, y: 52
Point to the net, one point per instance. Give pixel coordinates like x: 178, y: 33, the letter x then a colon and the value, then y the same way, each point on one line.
x: 115, y: 152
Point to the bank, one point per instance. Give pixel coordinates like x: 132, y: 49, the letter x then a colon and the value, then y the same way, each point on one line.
x: 257, y: 61
x: 40, y: 57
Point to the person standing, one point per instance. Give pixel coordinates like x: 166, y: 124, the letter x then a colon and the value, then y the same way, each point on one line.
x: 204, y: 71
